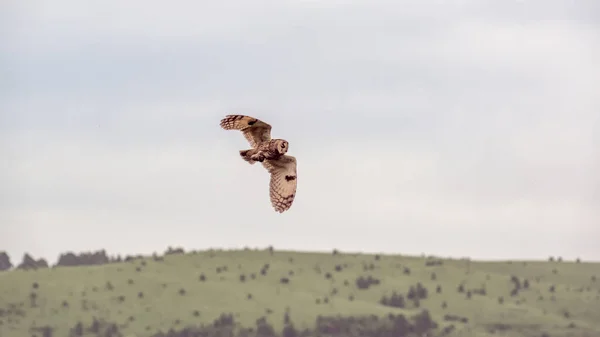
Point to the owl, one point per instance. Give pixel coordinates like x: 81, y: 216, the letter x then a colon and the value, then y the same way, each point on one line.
x: 271, y: 153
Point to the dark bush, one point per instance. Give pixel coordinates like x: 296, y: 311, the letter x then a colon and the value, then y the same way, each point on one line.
x: 423, y: 323
x: 174, y: 251
x: 365, y: 282
x: 33, y: 299
x: 77, y: 330
x: 395, y: 300
x: 455, y: 318
x: 432, y: 263
x: 29, y: 263
x: 69, y: 259
x: 479, y: 291
x: 5, y: 263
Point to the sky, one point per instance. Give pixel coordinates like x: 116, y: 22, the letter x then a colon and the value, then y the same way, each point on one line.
x: 450, y: 128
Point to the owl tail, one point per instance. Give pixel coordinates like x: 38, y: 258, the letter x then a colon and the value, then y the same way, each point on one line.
x: 246, y: 154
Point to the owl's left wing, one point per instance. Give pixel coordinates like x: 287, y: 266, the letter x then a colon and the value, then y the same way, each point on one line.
x: 282, y: 187
x: 254, y: 130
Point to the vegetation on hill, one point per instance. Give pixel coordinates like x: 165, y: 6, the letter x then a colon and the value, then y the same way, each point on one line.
x: 281, y: 293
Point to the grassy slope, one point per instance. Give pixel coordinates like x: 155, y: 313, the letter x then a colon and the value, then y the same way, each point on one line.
x: 84, y: 288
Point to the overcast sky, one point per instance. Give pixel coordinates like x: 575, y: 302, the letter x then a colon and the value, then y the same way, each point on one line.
x: 455, y: 128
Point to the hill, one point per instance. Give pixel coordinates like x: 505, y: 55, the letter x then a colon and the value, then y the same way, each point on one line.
x: 264, y: 289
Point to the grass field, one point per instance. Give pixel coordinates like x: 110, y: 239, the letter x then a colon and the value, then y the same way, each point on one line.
x: 144, y: 296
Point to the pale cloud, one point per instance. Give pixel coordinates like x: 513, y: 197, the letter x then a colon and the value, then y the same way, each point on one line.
x: 461, y: 128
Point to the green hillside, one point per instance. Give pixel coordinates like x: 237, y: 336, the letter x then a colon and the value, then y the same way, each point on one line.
x: 145, y: 296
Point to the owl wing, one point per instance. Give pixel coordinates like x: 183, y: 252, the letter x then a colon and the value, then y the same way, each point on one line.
x: 254, y: 130
x: 282, y: 188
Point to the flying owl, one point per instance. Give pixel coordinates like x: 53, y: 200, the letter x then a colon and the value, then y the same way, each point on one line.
x: 271, y: 153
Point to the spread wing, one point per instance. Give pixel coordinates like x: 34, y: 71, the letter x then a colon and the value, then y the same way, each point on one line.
x: 282, y: 188
x: 254, y: 130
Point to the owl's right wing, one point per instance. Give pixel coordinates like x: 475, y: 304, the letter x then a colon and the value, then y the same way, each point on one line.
x: 282, y: 187
x: 254, y: 130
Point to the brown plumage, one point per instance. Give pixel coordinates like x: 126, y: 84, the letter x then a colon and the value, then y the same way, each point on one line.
x: 271, y: 153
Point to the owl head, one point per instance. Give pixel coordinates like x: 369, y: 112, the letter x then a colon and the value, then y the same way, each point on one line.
x: 282, y: 146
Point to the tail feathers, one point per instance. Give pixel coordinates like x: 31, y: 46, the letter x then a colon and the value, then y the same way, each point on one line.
x: 246, y: 154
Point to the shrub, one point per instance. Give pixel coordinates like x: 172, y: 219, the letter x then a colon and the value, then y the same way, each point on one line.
x: 432, y: 263
x: 395, y: 300
x: 365, y: 282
